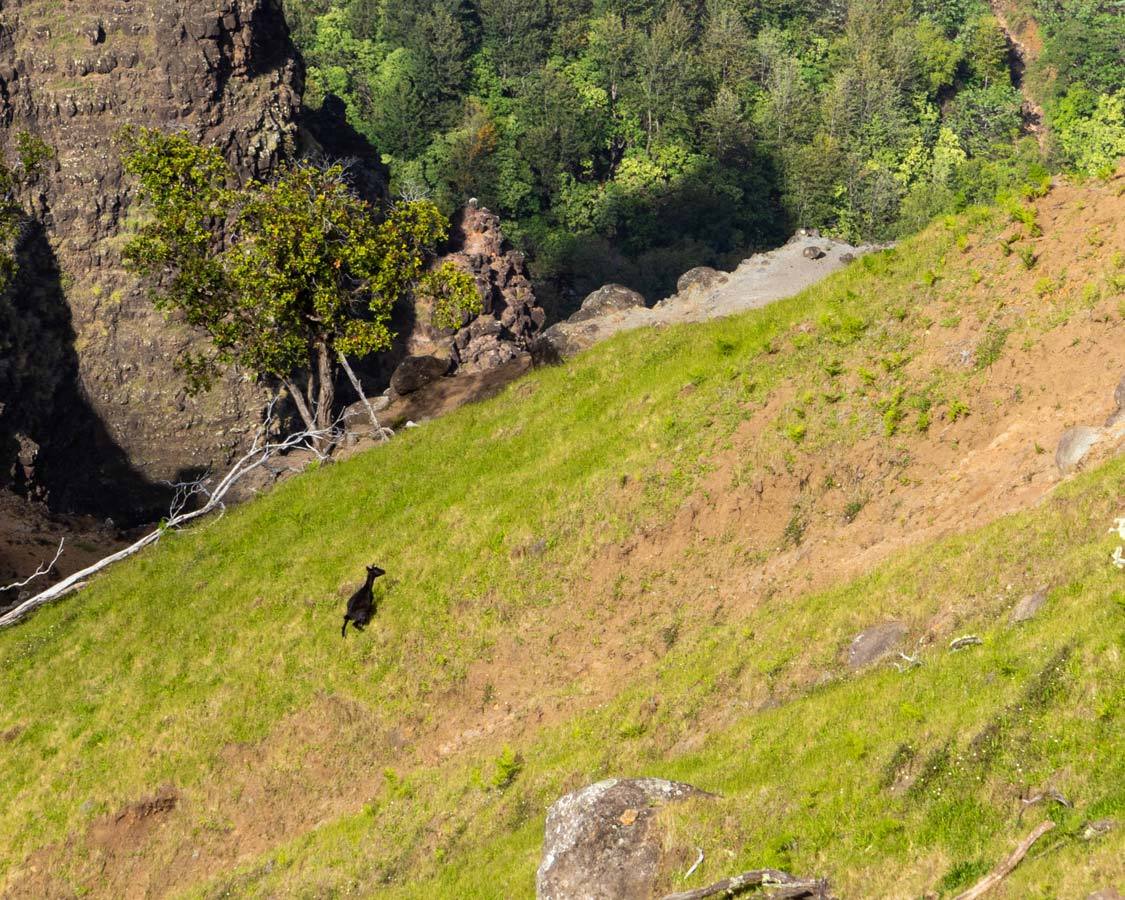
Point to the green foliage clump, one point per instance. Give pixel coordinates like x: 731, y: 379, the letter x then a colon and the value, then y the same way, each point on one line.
x: 631, y: 142
x: 1091, y: 130
x: 509, y: 764
x: 285, y: 277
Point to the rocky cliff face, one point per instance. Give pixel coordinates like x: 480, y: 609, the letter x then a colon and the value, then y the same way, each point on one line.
x: 72, y: 74
x: 510, y: 317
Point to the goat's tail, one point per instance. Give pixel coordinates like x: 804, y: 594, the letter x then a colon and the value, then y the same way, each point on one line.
x: 344, y: 630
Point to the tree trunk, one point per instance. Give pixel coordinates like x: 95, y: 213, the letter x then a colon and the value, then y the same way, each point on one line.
x: 301, y: 402
x: 326, y: 389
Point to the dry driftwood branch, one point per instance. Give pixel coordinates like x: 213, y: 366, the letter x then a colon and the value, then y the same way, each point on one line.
x: 259, y: 454
x: 381, y: 434
x: 1005, y: 868
x: 787, y: 886
x: 695, y: 865
x: 43, y: 569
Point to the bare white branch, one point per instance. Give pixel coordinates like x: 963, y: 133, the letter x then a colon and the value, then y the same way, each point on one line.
x: 380, y: 433
x: 43, y: 569
x: 261, y: 451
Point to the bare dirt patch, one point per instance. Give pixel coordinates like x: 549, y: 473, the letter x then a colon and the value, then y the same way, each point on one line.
x: 29, y: 537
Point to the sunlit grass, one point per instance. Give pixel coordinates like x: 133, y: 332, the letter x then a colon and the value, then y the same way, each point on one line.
x: 219, y: 634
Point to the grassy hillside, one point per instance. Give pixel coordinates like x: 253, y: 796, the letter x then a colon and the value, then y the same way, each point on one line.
x: 650, y: 560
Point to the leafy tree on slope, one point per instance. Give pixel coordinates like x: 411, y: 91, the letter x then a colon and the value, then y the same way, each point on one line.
x: 307, y: 276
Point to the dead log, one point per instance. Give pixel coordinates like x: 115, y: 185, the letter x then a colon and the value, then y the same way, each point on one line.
x: 1005, y: 868
x: 788, y: 887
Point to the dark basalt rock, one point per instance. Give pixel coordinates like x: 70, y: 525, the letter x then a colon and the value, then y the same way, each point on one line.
x: 224, y: 72
x: 415, y: 372
x: 608, y: 299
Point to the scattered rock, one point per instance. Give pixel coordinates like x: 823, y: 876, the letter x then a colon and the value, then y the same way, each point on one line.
x: 1107, y: 893
x: 847, y: 257
x: 1098, y: 828
x: 1029, y: 606
x: 702, y: 277
x: 601, y: 843
x: 969, y: 640
x: 1073, y: 447
x: 581, y: 331
x: 813, y: 253
x: 607, y: 299
x: 94, y: 32
x: 358, y: 418
x: 415, y: 372
x: 1117, y: 417
x: 874, y: 643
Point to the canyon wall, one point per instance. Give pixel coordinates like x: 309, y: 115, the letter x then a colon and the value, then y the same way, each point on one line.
x: 113, y: 417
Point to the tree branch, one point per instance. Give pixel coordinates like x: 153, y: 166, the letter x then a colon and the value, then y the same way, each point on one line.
x: 38, y: 573
x: 381, y: 434
x: 1005, y: 868
x: 259, y: 454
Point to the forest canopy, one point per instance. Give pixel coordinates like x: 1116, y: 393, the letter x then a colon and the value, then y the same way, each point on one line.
x: 631, y: 139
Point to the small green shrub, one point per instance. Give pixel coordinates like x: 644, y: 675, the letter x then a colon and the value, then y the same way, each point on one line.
x: 991, y: 346
x: 509, y: 764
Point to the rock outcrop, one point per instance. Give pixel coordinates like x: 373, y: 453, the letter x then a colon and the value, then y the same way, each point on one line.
x: 602, y: 842
x: 225, y: 72
x: 702, y: 293
x: 1077, y: 444
x: 509, y: 321
x: 875, y: 643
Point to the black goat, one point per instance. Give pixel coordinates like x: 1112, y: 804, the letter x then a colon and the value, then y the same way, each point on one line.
x: 361, y: 607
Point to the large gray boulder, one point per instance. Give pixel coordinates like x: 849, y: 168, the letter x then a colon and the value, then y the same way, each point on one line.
x: 415, y: 372
x: 875, y: 643
x: 601, y: 841
x: 1073, y: 447
x: 584, y: 329
x: 609, y: 298
x: 701, y: 278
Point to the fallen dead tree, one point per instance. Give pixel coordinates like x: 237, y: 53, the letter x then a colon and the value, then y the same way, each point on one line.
x: 1005, y: 868
x: 211, y: 499
x: 783, y: 885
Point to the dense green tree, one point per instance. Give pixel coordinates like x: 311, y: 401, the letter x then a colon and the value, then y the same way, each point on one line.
x: 308, y: 276
x: 985, y: 116
x: 587, y: 123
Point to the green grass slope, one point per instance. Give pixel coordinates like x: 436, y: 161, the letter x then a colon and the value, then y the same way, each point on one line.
x: 214, y: 663
x: 891, y: 783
